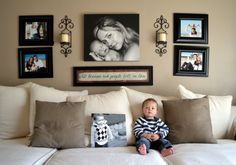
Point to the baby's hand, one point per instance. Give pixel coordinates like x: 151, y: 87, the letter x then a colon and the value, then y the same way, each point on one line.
x: 95, y: 57
x: 155, y: 137
x: 148, y: 136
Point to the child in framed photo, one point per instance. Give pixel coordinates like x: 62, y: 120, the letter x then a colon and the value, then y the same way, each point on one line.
x: 108, y: 130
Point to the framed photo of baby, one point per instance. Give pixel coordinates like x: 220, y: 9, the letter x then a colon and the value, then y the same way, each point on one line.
x: 191, y: 61
x: 111, y: 37
x: 191, y: 28
x: 35, y: 62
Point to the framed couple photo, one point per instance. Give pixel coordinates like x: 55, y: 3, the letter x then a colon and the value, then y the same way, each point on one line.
x: 191, y: 61
x: 35, y: 62
x: 36, y: 30
x: 190, y: 28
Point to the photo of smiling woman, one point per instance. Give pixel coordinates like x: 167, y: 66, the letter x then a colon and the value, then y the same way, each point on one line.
x: 111, y: 37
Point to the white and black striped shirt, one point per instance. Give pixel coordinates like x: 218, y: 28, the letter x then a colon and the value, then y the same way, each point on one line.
x: 150, y: 126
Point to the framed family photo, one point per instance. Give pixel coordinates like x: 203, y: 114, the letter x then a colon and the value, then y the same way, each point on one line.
x: 113, y: 75
x: 35, y: 62
x: 191, y: 61
x: 111, y: 37
x: 36, y: 30
x: 191, y: 28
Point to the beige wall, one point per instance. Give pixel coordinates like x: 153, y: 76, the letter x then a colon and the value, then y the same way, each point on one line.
x: 222, y: 59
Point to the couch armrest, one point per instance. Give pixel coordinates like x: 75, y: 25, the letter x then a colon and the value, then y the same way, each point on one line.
x: 232, y: 124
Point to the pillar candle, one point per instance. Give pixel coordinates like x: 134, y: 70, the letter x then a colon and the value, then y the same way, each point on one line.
x: 65, y: 38
x: 161, y: 37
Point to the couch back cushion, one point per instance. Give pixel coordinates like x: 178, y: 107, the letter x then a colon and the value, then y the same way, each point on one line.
x: 42, y: 93
x: 14, y: 112
x: 115, y: 102
x: 136, y: 99
x: 220, y: 110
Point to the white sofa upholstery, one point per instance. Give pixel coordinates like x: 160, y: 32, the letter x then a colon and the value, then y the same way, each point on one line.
x: 15, y: 151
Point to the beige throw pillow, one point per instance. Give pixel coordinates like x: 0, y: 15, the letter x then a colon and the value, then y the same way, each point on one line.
x: 220, y: 110
x: 188, y: 121
x: 43, y: 93
x: 59, y: 125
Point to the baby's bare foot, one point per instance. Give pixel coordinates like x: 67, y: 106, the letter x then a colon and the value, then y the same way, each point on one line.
x: 167, y: 151
x: 142, y: 149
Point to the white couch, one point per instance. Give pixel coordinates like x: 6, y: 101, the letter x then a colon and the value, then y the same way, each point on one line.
x: 17, y: 122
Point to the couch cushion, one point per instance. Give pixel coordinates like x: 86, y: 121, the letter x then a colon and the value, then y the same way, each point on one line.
x: 188, y: 121
x: 115, y: 102
x: 106, y: 156
x: 222, y: 153
x: 59, y: 125
x: 43, y: 93
x: 14, y: 112
x: 220, y: 110
x: 17, y: 152
x: 136, y: 99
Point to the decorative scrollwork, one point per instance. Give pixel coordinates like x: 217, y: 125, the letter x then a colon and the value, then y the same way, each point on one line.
x: 161, y: 49
x: 66, y: 24
x: 161, y: 24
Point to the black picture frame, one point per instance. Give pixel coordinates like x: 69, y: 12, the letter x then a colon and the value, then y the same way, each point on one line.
x: 125, y: 24
x: 190, y: 28
x: 41, y: 69
x: 112, y: 75
x: 36, y: 30
x: 191, y: 61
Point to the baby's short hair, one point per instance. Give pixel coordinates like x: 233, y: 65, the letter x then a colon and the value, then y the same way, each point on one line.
x: 149, y: 99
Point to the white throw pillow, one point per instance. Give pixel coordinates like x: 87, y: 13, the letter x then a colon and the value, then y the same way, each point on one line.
x: 136, y: 99
x: 115, y: 102
x: 220, y: 110
x: 43, y: 93
x: 14, y: 111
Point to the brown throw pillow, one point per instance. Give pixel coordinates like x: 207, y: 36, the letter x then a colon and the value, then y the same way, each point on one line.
x: 59, y: 125
x: 188, y: 121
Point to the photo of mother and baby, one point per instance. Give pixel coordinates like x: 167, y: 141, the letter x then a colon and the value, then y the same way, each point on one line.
x: 111, y: 37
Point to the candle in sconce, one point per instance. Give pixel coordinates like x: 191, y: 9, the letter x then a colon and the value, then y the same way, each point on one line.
x: 65, y: 38
x: 161, y: 37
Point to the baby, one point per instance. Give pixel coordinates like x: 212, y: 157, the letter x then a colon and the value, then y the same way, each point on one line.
x: 101, y: 52
x: 150, y: 131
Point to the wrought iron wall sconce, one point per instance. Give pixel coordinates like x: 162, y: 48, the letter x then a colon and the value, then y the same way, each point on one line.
x: 161, y: 35
x: 66, y: 35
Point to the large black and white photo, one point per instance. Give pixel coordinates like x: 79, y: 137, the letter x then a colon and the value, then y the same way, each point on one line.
x: 111, y: 37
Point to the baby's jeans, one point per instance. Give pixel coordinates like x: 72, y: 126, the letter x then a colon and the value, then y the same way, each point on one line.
x: 157, y: 145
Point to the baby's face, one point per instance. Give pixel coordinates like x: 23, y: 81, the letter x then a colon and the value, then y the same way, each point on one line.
x: 150, y: 109
x: 100, y: 48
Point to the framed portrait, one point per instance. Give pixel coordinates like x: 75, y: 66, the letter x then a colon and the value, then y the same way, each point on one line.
x: 111, y: 37
x: 191, y: 28
x: 36, y: 30
x: 191, y: 61
x: 113, y: 75
x: 35, y: 62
